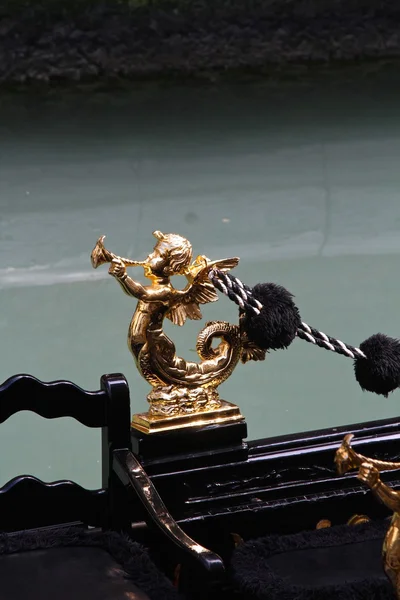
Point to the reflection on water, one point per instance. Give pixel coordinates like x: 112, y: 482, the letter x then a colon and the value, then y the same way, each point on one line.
x: 301, y: 181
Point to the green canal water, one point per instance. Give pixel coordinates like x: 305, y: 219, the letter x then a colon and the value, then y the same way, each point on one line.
x: 301, y: 179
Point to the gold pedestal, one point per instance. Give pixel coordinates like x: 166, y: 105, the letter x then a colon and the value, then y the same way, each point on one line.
x: 226, y: 413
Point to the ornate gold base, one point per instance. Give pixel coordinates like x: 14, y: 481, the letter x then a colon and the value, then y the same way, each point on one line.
x: 148, y: 423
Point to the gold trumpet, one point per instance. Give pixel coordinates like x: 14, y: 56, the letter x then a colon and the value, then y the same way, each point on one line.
x: 100, y: 255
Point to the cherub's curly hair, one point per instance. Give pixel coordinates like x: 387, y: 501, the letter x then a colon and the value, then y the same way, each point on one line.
x: 179, y: 251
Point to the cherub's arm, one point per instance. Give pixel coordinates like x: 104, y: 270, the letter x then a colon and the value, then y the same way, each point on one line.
x: 359, y: 459
x: 369, y: 475
x: 132, y: 288
x: 389, y: 497
x: 381, y: 465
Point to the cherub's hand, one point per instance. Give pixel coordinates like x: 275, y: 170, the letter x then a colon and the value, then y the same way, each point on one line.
x: 117, y: 268
x: 368, y: 474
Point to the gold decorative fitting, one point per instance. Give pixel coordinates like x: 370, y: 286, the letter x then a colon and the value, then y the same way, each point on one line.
x: 358, y: 520
x: 347, y: 459
x: 354, y: 520
x: 184, y: 393
x: 323, y: 524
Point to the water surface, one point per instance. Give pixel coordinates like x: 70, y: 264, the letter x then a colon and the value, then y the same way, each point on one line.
x: 301, y: 180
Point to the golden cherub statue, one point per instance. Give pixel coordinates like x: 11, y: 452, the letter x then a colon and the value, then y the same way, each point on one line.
x: 180, y: 387
x: 347, y: 459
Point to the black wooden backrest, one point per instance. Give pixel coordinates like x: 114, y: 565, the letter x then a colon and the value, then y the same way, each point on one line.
x: 27, y: 502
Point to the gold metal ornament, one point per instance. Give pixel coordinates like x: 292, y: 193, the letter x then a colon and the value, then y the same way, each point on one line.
x: 354, y: 520
x: 347, y: 459
x: 184, y: 393
x: 358, y: 520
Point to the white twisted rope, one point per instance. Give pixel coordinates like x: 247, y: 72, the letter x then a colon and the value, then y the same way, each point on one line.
x: 241, y: 294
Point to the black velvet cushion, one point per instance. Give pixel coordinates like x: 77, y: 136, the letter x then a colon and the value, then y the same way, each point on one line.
x: 71, y: 564
x: 338, y: 563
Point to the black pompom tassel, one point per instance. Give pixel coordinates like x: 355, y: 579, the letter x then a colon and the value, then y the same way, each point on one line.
x: 380, y: 371
x: 279, y: 319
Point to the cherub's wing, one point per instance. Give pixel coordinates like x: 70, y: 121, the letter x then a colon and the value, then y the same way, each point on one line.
x: 198, y: 291
x: 179, y: 312
x: 186, y: 305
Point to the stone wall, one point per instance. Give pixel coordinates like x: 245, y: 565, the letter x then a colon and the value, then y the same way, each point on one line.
x: 81, y: 39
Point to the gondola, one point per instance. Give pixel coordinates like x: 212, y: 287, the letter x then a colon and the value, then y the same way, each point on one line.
x: 189, y: 507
